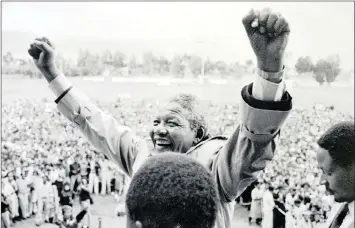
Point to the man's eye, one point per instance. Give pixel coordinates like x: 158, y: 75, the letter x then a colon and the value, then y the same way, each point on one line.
x: 172, y: 124
x: 326, y: 173
x: 156, y: 122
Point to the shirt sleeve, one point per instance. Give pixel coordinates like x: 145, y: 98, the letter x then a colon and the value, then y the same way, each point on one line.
x: 118, y: 143
x: 265, y: 89
x: 264, y: 108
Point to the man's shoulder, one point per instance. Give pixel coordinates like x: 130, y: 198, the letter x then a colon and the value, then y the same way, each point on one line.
x: 205, y: 151
x: 210, y: 144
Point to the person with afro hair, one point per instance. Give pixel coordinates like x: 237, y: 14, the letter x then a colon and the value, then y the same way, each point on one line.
x: 171, y: 191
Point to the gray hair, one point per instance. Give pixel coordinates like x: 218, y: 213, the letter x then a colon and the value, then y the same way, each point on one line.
x: 194, y: 115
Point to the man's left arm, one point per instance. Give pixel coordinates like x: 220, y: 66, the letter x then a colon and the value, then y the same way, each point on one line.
x: 264, y: 107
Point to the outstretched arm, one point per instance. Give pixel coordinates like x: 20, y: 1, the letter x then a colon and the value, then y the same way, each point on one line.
x: 264, y: 106
x: 117, y: 142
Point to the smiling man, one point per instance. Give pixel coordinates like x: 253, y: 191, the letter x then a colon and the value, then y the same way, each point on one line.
x: 336, y: 159
x: 234, y: 162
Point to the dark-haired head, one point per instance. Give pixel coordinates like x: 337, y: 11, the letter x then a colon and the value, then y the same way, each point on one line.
x: 171, y: 190
x: 335, y: 158
x: 307, y: 200
x: 179, y: 125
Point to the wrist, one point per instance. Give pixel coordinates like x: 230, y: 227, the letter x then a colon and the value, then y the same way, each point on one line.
x: 270, y: 65
x: 50, y: 73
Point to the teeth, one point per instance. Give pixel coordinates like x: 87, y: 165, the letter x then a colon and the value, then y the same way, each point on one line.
x: 161, y: 142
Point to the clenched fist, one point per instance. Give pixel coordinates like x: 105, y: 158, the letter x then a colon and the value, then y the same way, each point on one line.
x: 268, y: 34
x: 42, y: 52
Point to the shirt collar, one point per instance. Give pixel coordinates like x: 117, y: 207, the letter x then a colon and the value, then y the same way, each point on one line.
x: 351, y: 209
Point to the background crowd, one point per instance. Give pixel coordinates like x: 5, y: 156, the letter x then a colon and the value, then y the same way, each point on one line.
x: 47, y: 165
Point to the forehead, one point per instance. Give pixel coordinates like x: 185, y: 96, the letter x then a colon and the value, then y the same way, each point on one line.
x: 324, y: 159
x: 171, y: 109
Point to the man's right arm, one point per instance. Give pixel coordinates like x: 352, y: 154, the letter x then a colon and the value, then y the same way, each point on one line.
x: 117, y: 142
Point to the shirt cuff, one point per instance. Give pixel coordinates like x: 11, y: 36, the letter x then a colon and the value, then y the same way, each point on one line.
x: 59, y: 85
x: 265, y: 89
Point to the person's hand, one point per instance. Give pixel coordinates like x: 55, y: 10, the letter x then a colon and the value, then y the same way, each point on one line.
x: 43, y: 54
x: 268, y: 34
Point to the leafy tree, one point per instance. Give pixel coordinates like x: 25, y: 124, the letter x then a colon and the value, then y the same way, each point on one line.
x: 195, y: 65
x: 222, y: 68
x: 304, y: 65
x: 8, y: 58
x: 327, y: 69
x: 333, y: 69
x: 175, y: 67
x: 163, y: 64
x: 249, y: 63
x: 119, y: 59
x: 83, y: 57
x: 209, y: 66
x: 148, y: 63
x: 107, y: 57
x: 132, y: 65
x: 236, y: 69
x: 318, y: 71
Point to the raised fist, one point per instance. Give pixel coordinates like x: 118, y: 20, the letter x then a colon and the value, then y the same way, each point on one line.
x: 42, y: 52
x: 268, y: 34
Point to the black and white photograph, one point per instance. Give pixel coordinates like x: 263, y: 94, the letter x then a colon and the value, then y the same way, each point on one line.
x: 177, y: 115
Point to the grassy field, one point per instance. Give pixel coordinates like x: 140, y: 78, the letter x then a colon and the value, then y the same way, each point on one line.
x: 303, y: 96
x: 37, y: 89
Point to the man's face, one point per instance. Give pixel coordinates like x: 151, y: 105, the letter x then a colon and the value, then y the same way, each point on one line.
x: 11, y: 178
x: 338, y: 180
x: 171, y: 130
x: 67, y: 214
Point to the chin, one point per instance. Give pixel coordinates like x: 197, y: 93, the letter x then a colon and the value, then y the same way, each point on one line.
x: 162, y: 149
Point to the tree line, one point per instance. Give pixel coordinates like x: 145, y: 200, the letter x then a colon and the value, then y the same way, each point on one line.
x: 116, y: 63
x: 324, y: 70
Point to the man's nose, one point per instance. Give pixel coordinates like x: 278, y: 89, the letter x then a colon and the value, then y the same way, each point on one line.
x: 322, y: 180
x: 160, y: 130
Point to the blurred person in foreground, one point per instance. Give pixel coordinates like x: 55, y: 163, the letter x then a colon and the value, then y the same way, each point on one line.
x: 172, y: 190
x: 268, y: 205
x: 94, y: 174
x: 85, y: 199
x: 279, y: 212
x: 23, y: 194
x: 44, y: 203
x: 10, y: 196
x: 68, y: 219
x: 336, y: 159
x: 74, y: 174
x: 5, y: 213
x: 256, y: 204
x: 234, y: 162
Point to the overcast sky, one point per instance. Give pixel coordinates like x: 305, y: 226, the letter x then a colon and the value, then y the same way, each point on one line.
x: 317, y: 29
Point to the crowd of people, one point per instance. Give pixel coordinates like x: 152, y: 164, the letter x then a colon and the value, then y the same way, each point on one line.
x: 290, y: 183
x: 47, y: 165
x: 43, y: 177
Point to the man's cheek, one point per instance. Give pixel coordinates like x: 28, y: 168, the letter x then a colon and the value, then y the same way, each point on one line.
x: 151, y: 134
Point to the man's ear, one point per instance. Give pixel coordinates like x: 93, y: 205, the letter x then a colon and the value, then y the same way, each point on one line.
x: 138, y: 224
x: 200, y: 134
